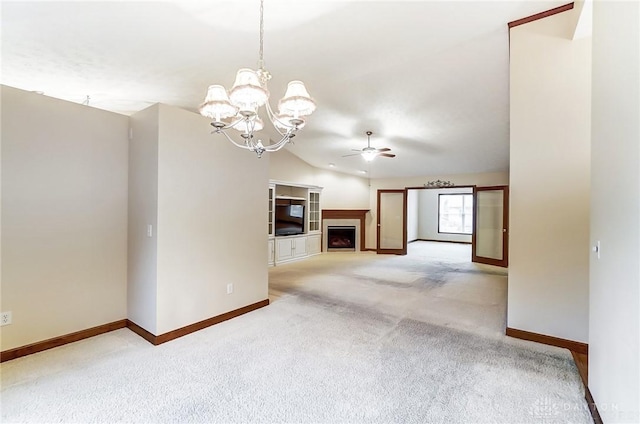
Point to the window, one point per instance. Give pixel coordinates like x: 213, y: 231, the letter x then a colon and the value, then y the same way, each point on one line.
x: 455, y: 213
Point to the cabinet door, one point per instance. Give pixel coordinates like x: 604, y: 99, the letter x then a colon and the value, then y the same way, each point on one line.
x: 314, y: 243
x: 299, y: 246
x: 271, y: 252
x: 284, y: 249
x: 271, y: 210
x: 314, y: 211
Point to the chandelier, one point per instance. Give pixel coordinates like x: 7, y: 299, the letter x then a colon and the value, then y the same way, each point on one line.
x: 238, y: 108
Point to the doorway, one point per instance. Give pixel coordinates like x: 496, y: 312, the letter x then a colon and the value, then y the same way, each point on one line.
x: 462, y: 214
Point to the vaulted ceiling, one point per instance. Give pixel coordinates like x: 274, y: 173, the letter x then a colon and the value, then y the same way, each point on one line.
x: 429, y: 78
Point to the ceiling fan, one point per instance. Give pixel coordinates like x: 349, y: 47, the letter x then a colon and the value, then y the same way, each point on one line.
x: 370, y: 153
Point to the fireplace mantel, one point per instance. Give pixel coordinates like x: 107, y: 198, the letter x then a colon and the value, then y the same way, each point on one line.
x: 348, y: 214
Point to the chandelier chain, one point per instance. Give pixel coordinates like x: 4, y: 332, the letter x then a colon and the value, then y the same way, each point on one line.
x: 261, y: 53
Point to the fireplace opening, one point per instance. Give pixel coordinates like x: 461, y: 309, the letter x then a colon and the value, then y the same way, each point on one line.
x: 341, y: 238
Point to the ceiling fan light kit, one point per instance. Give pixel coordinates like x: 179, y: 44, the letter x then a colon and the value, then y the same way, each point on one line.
x: 238, y: 108
x: 370, y: 153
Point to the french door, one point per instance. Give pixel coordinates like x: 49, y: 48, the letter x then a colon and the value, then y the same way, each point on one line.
x: 392, y: 223
x: 490, y: 239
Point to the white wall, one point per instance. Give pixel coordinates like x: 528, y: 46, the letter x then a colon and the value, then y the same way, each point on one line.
x: 64, y: 217
x: 614, y: 322
x: 429, y: 215
x: 142, y: 294
x: 550, y: 86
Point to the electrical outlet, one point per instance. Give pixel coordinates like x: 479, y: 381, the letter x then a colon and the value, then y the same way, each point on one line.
x: 5, y: 318
x: 229, y: 288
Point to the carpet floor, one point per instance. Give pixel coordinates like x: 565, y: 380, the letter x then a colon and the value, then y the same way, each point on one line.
x: 348, y: 337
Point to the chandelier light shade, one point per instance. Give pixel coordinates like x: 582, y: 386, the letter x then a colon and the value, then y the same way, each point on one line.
x: 217, y: 104
x: 296, y: 101
x: 239, y: 108
x: 247, y: 93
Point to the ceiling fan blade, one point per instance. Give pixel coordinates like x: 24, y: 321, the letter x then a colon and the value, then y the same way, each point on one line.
x: 387, y: 155
x: 352, y: 154
x: 383, y: 149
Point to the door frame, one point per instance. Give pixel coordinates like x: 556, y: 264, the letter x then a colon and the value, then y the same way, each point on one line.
x: 505, y: 227
x: 403, y: 250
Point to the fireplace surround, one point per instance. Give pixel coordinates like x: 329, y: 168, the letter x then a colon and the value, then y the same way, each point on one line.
x: 341, y: 218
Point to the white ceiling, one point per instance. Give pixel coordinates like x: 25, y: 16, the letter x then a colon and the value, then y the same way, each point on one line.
x: 429, y: 78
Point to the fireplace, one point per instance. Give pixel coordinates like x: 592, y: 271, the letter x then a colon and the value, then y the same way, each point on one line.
x: 344, y: 218
x: 341, y: 238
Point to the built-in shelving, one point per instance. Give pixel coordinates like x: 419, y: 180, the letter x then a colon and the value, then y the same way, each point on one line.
x: 291, y: 198
x: 284, y: 248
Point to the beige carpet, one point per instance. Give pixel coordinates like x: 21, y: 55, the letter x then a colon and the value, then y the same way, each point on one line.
x: 348, y: 338
x: 434, y: 282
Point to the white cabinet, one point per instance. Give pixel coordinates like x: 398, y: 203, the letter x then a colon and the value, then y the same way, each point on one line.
x: 272, y: 190
x: 284, y: 249
x: 288, y: 248
x: 299, y: 246
x: 305, y: 236
x: 314, y: 244
x: 314, y: 210
x: 296, y: 247
x: 271, y: 251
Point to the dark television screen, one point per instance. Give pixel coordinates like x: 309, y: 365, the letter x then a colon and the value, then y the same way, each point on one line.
x: 289, y: 219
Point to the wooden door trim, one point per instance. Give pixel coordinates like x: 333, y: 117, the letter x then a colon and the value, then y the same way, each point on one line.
x: 402, y: 251
x: 505, y: 225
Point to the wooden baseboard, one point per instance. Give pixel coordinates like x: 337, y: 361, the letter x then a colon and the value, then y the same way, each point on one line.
x: 171, y: 335
x: 548, y: 340
x: 150, y: 337
x: 540, y: 15
x: 582, y: 363
x: 18, y: 352
x: 592, y: 406
x: 445, y: 241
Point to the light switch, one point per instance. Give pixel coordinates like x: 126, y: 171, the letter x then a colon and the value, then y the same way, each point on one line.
x: 149, y: 230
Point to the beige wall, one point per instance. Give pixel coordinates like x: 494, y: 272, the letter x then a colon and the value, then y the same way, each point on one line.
x: 142, y: 293
x: 64, y: 217
x: 212, y: 222
x: 413, y: 215
x: 285, y: 166
x: 614, y: 322
x: 340, y: 191
x: 550, y: 86
x: 201, y: 195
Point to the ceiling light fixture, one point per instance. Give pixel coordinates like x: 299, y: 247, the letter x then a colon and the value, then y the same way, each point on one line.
x: 238, y: 108
x: 370, y: 153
